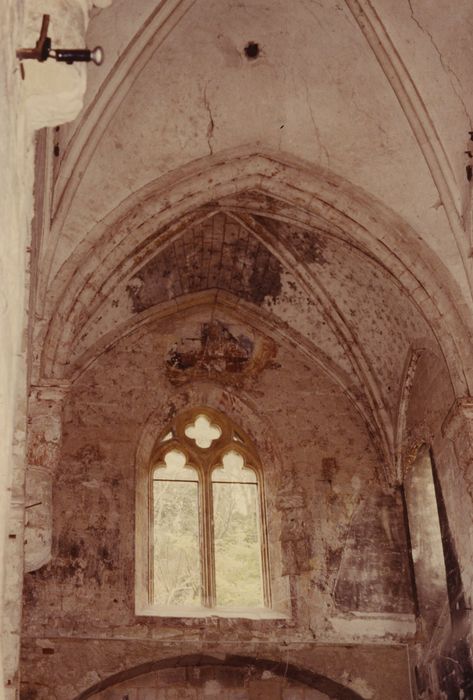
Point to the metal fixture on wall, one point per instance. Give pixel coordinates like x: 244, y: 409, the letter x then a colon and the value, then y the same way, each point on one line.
x: 42, y: 51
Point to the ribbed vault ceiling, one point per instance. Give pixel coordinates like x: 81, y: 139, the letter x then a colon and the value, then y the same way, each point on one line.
x: 319, y: 186
x: 218, y: 253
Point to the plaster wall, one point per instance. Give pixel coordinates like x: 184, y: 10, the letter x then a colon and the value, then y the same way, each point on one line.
x: 15, y: 207
x: 27, y: 102
x: 327, y: 101
x: 329, y: 515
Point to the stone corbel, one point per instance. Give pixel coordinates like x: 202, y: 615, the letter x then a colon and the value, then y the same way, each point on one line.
x: 54, y: 92
x: 458, y: 428
x: 44, y: 445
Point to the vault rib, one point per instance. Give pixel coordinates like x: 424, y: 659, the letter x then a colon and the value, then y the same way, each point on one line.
x: 343, y: 332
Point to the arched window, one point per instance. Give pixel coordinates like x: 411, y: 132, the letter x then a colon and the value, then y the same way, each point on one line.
x: 207, y: 542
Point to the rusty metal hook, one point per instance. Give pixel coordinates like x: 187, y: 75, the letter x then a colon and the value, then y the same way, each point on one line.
x: 42, y: 50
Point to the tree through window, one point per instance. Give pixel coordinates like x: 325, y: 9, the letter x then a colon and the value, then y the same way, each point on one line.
x: 176, y: 560
x: 207, y: 544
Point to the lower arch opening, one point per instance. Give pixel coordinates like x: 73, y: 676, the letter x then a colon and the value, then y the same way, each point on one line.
x: 230, y: 676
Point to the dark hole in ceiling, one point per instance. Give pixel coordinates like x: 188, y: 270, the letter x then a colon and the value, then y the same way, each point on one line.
x: 252, y: 50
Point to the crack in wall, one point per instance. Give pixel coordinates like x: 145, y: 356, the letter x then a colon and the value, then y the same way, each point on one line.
x: 369, y: 116
x: 456, y: 83
x: 322, y: 148
x: 211, y: 125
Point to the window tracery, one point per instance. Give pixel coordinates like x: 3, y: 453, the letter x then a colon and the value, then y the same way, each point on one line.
x: 207, y: 540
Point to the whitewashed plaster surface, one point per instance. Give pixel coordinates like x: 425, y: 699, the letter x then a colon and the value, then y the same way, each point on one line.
x: 38, y: 100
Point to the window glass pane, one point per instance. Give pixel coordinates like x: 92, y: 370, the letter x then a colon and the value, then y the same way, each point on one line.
x: 233, y: 469
x: 175, y: 468
x: 236, y: 533
x: 176, y: 549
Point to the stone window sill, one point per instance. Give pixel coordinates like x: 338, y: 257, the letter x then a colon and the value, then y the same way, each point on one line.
x: 201, y: 612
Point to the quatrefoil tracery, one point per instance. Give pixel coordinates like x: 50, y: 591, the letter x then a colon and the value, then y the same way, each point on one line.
x: 203, y: 432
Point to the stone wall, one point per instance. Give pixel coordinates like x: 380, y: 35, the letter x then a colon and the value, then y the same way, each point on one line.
x: 194, y: 683
x: 339, y: 565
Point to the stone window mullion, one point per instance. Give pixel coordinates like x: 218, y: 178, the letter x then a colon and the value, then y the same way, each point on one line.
x: 208, y: 556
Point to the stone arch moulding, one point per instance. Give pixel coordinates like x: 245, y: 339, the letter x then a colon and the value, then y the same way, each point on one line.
x: 288, y: 257
x: 162, y: 21
x: 240, y: 409
x: 416, y: 350
x: 290, y: 260
x: 259, y: 321
x: 207, y: 393
x: 299, y: 674
x: 419, y: 119
x: 233, y: 404
x: 409, y: 443
x: 235, y: 309
x: 96, y: 117
x: 303, y: 195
